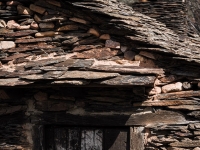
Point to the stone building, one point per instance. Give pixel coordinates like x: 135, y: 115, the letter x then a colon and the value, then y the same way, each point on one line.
x: 99, y: 75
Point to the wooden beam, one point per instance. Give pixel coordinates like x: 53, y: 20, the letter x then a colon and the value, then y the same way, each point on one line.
x: 108, y: 119
x: 137, y: 138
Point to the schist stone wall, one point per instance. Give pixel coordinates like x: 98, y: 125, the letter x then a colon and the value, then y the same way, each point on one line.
x: 97, y: 64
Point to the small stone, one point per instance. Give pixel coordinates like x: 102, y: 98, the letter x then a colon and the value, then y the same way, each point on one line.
x: 24, y: 10
x: 145, y: 62
x: 196, y: 148
x: 124, y: 49
x: 41, y: 96
x: 11, y: 24
x: 129, y: 55
x: 37, y: 9
x: 153, y: 91
x: 105, y: 37
x: 48, y: 25
x: 7, y: 44
x: 172, y: 87
x: 67, y: 28
x: 196, y: 132
x: 2, y: 23
x: 93, y: 32
x: 34, y: 25
x: 37, y: 18
x: 112, y: 44
x: 48, y: 33
x: 79, y: 20
x: 12, y: 3
x: 197, y: 125
x: 25, y: 27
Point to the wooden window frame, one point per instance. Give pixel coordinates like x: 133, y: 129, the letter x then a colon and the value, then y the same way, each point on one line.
x: 137, y: 137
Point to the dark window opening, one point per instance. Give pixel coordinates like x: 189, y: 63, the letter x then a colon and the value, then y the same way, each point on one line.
x: 87, y: 138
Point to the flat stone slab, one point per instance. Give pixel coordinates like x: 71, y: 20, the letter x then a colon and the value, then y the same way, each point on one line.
x: 185, y: 107
x: 98, y: 53
x: 45, y: 39
x: 13, y: 82
x: 194, y: 143
x: 44, y: 62
x: 167, y: 103
x: 128, y: 69
x: 21, y: 33
x: 87, y: 75
x: 73, y: 63
x: 130, y: 80
x: 7, y: 44
x: 71, y: 82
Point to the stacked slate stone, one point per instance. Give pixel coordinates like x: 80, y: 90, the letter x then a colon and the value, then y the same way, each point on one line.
x: 47, y: 44
x: 171, y: 13
x: 193, y: 17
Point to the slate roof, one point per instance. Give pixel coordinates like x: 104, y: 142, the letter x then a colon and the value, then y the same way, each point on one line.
x: 93, y: 42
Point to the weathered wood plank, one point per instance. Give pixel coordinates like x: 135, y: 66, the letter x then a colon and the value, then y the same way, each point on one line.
x: 60, y: 138
x: 92, y: 139
x: 73, y: 139
x: 116, y: 139
x: 137, y: 138
x: 127, y: 119
x: 38, y: 138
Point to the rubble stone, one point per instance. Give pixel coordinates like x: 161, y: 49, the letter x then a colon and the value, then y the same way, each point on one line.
x: 24, y: 10
x: 37, y: 9
x: 7, y: 44
x: 46, y: 25
x: 172, y: 87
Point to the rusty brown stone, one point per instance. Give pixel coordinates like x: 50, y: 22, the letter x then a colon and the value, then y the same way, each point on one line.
x: 15, y: 56
x: 93, y: 32
x: 79, y: 20
x: 67, y: 28
x: 98, y: 53
x: 12, y: 3
x: 80, y: 48
x: 24, y: 10
x: 105, y: 37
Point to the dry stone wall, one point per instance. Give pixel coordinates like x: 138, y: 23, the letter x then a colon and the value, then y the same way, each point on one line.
x: 73, y: 59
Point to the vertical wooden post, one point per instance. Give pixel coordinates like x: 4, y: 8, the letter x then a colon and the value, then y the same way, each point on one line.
x: 136, y: 138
